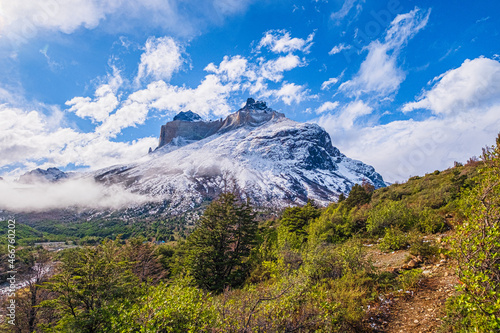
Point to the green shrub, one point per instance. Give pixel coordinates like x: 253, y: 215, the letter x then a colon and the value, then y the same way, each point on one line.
x: 394, y: 239
x: 334, y: 261
x: 476, y: 247
x: 430, y: 222
x: 179, y: 307
x: 424, y: 249
x: 409, y: 280
x: 332, y: 226
x: 390, y: 213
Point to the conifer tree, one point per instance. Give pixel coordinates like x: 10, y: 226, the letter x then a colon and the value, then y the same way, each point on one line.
x: 220, y: 245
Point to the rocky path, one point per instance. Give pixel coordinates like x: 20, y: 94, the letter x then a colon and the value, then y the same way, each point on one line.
x: 420, y: 310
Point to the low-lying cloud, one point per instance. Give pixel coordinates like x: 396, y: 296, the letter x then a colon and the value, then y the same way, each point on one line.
x: 80, y: 193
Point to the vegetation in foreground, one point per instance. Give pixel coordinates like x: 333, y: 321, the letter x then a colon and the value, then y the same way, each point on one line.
x: 304, y: 272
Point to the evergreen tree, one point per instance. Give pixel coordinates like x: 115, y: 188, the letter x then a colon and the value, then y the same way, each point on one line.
x: 358, y: 196
x: 297, y: 218
x: 220, y: 245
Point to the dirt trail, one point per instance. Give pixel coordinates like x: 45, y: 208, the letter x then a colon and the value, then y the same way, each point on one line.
x: 420, y: 310
x: 423, y: 311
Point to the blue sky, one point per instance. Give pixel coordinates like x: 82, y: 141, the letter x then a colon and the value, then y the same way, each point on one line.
x: 406, y: 86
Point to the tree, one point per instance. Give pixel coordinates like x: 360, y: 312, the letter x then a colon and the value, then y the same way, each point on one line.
x: 359, y: 195
x: 294, y: 224
x: 476, y: 246
x: 35, y: 266
x: 90, y: 284
x: 221, y: 243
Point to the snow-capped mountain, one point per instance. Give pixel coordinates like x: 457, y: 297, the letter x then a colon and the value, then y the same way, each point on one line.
x: 274, y: 160
x: 39, y: 175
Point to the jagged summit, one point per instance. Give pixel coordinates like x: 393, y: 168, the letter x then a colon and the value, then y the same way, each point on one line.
x: 187, y: 116
x: 188, y: 127
x: 255, y: 105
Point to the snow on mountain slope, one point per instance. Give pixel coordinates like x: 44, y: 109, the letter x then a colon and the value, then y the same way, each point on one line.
x: 274, y: 160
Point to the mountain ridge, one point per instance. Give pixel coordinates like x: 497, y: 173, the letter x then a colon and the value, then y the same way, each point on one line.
x: 274, y: 160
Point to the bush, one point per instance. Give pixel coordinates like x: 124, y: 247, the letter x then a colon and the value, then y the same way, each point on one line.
x: 333, y: 262
x: 332, y: 226
x: 390, y: 213
x: 394, y: 239
x: 409, y: 280
x: 430, y: 222
x: 424, y: 249
x: 179, y: 307
x: 476, y: 246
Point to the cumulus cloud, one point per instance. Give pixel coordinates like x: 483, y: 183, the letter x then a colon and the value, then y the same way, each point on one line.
x: 231, y: 69
x: 475, y: 82
x: 31, y: 139
x: 273, y: 69
x: 327, y: 106
x: 345, y: 119
x: 465, y: 103
x: 289, y: 93
x: 379, y: 73
x: 162, y: 57
x: 78, y: 193
x: 280, y: 41
x: 103, y: 103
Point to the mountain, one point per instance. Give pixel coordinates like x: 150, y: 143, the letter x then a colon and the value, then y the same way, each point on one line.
x: 275, y: 161
x: 39, y: 175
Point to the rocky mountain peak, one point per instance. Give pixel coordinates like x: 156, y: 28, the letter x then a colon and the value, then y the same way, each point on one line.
x: 188, y: 127
x: 40, y: 175
x: 255, y: 105
x: 187, y: 116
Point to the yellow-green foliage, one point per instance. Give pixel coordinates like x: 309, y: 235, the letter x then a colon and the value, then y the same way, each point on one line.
x: 325, y: 294
x: 179, y: 307
x: 390, y: 213
x: 476, y: 246
x: 408, y: 280
x: 394, y: 239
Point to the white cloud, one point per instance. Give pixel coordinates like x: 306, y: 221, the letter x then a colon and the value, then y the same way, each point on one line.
x: 346, y: 8
x: 273, y: 69
x: 24, y: 19
x: 475, y: 82
x: 466, y: 106
x: 339, y: 48
x: 331, y: 81
x: 32, y: 139
x: 231, y: 69
x: 379, y: 72
x: 327, y: 106
x: 162, y: 57
x: 344, y: 120
x: 72, y: 193
x: 209, y: 98
x: 104, y: 102
x: 279, y: 41
x: 289, y: 93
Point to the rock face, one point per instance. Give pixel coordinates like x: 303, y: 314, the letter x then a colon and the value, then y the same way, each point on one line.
x: 188, y: 126
x: 40, y: 175
x: 274, y: 160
